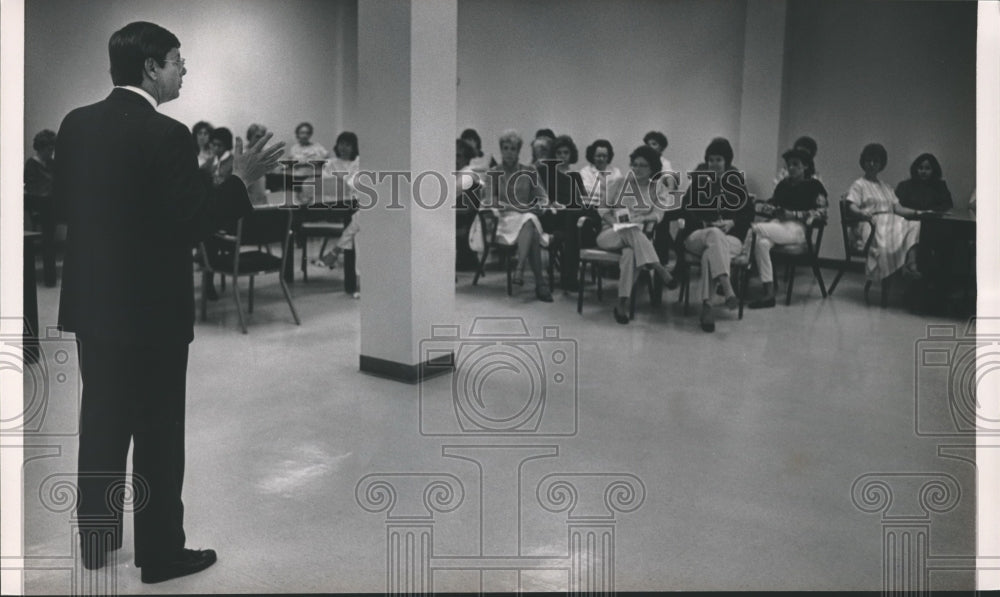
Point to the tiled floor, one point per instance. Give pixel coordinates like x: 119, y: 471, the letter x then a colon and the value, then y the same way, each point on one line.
x: 722, y: 461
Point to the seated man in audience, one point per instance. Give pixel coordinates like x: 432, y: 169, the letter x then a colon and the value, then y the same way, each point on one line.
x: 798, y: 201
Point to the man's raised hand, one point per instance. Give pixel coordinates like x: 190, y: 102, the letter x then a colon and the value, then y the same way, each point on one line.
x: 257, y: 160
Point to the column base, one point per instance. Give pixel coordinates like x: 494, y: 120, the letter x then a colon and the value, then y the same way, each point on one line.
x: 412, y: 374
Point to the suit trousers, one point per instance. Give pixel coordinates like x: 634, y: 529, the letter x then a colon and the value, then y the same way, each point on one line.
x: 717, y: 250
x: 132, y: 394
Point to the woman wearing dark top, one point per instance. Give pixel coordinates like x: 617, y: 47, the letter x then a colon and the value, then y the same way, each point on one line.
x: 927, y: 191
x: 798, y: 200
x: 564, y: 187
x: 716, y: 220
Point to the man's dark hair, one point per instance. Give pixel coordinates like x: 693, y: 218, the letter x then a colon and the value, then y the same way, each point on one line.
x: 130, y: 46
x: 222, y: 135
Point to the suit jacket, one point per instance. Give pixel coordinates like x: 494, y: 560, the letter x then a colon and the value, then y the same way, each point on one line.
x: 129, y: 186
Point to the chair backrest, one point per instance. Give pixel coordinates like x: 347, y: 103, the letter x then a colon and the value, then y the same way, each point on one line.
x: 846, y: 221
x: 265, y: 225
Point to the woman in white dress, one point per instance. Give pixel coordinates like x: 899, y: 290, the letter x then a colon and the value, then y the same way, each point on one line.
x: 874, y: 203
x: 519, y: 196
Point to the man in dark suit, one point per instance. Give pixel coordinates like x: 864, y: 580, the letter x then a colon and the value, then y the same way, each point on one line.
x: 127, y: 181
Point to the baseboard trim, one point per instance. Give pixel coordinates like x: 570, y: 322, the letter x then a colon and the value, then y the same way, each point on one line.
x: 411, y: 374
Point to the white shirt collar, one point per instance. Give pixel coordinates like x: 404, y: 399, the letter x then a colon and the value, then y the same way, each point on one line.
x: 141, y: 92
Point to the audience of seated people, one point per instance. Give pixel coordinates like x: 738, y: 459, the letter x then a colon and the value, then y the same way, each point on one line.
x: 625, y: 218
x: 798, y: 201
x: 545, y: 206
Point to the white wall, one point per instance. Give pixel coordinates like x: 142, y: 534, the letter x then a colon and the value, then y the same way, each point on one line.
x: 597, y: 69
x: 273, y: 62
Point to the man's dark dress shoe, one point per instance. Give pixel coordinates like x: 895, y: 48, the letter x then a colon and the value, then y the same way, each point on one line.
x: 187, y: 562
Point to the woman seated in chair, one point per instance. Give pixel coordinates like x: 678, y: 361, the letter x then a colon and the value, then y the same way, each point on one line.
x: 564, y: 187
x: 516, y: 191
x: 798, y: 201
x: 873, y: 203
x: 467, y: 206
x: 927, y: 190
x: 626, y: 214
x: 221, y: 141
x: 599, y: 176
x: 339, y: 175
x: 717, y: 218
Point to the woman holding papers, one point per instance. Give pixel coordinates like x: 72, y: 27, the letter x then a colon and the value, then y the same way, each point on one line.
x: 717, y: 215
x: 627, y: 210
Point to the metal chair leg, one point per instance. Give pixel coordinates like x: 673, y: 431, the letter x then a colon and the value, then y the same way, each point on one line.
x: 288, y: 298
x: 509, y: 266
x: 239, y: 306
x: 482, y: 265
x: 579, y: 291
x: 868, y: 287
x: 204, y: 296
x: 304, y: 261
x: 819, y: 278
x: 885, y: 292
x: 791, y: 279
x: 250, y: 299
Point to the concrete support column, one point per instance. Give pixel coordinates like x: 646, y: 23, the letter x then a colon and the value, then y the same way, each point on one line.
x: 407, y: 73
